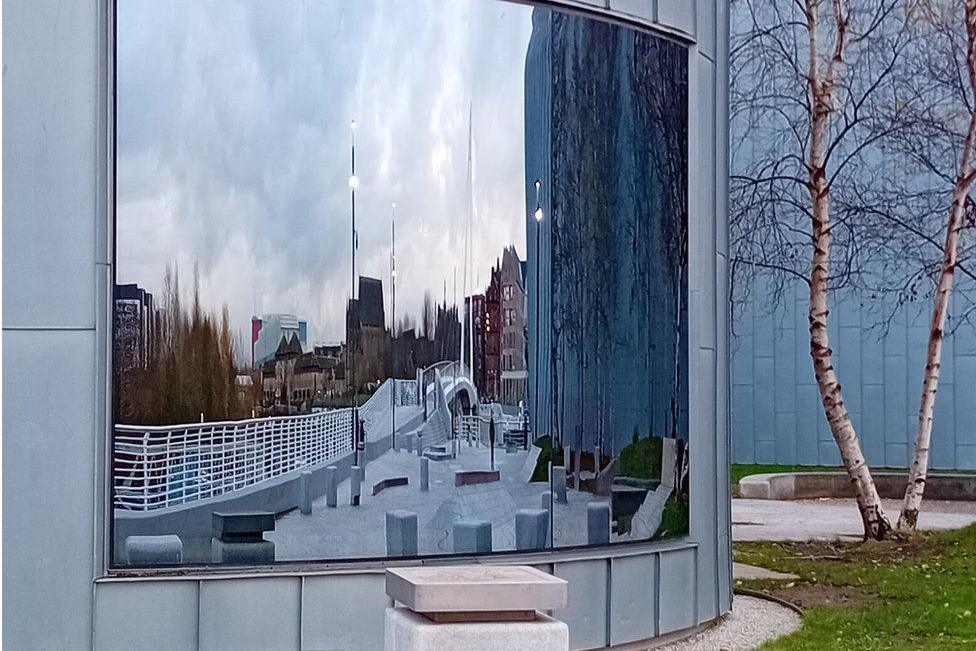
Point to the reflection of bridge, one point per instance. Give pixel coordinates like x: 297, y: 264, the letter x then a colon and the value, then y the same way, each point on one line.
x: 166, y: 467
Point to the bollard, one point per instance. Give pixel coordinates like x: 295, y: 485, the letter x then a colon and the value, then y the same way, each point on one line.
x: 401, y: 533
x: 331, y: 486
x: 597, y: 523
x: 559, y: 483
x: 238, y: 538
x: 546, y: 501
x: 409, y: 438
x: 420, y: 444
x: 531, y: 529
x: 305, y: 492
x: 472, y: 536
x: 153, y: 550
x: 355, y: 485
x: 424, y: 474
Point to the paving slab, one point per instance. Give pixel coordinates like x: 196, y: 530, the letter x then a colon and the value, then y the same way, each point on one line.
x: 832, y: 518
x: 752, y: 572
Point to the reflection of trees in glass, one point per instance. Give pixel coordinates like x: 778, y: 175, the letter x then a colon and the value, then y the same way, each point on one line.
x: 190, y: 369
x: 618, y: 234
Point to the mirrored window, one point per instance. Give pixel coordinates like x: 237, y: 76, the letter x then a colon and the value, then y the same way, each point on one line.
x: 395, y: 278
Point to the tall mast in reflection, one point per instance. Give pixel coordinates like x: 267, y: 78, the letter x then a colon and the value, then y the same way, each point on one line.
x: 350, y: 348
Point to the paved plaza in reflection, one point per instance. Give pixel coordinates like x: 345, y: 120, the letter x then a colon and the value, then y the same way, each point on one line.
x: 347, y: 531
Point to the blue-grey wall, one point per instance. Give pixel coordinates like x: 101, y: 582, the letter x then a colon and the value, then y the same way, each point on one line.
x: 58, y: 590
x: 777, y: 416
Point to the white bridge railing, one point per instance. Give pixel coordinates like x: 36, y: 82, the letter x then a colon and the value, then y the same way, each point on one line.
x: 156, y: 467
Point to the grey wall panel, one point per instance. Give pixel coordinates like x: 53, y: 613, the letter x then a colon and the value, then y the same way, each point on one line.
x: 49, y: 182
x: 633, y: 593
x: 343, y: 611
x: 678, y: 14
x: 146, y: 615
x: 677, y: 597
x: 880, y: 371
x: 48, y: 533
x: 642, y: 9
x: 586, y: 612
x: 259, y: 614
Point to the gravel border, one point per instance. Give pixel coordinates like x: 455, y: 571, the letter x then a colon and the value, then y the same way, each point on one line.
x: 752, y: 622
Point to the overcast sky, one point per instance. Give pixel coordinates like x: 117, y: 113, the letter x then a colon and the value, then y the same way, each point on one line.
x: 233, y: 146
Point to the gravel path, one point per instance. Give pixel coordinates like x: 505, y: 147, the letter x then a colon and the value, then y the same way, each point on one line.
x: 752, y: 622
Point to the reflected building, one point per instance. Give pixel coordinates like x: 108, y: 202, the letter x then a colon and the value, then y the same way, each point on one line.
x: 296, y: 382
x: 267, y: 331
x: 512, y: 304
x: 135, y: 327
x: 367, y: 340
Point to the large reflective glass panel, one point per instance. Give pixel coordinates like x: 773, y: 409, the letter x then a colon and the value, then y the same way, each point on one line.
x: 395, y: 278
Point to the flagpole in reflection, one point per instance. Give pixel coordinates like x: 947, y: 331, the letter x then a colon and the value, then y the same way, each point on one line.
x: 538, y: 291
x: 393, y: 277
x: 350, y: 352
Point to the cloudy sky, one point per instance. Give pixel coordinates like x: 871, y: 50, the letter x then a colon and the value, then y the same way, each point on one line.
x: 233, y: 146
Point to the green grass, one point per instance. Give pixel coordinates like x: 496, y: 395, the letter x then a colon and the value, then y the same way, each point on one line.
x: 739, y: 470
x: 915, y: 594
x: 541, y: 472
x: 674, y: 519
x: 641, y: 459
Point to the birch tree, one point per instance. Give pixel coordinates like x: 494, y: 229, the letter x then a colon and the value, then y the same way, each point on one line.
x: 935, y: 16
x: 809, y: 79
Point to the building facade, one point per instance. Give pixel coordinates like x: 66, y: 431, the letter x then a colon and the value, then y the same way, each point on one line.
x: 267, y: 331
x: 60, y: 587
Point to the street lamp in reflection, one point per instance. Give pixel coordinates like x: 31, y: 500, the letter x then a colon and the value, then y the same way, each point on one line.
x: 538, y: 290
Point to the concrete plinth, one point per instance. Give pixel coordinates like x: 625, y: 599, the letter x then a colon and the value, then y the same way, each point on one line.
x: 472, y: 536
x: 331, y: 486
x: 401, y: 533
x: 305, y: 492
x: 558, y: 475
x: 531, y: 529
x: 597, y: 523
x: 406, y: 630
x: 153, y: 550
x: 424, y: 474
x: 355, y: 485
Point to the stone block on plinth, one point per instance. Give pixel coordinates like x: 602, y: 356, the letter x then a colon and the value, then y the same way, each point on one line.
x: 355, y: 485
x: 238, y: 538
x: 475, y: 608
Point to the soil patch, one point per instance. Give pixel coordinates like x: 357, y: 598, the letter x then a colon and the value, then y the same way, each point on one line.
x: 809, y: 595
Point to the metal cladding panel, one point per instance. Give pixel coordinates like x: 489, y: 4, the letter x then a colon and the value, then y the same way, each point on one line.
x: 586, y: 612
x: 262, y: 614
x: 633, y: 591
x: 643, y: 9
x: 49, y: 184
x: 146, y: 615
x: 677, y: 598
x: 344, y: 611
x: 678, y: 14
x: 48, y: 466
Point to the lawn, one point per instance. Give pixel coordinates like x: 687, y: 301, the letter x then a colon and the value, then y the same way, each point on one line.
x: 915, y: 594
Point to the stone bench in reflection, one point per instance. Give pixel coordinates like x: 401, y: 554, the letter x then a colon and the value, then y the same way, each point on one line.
x: 389, y: 482
x: 471, y: 477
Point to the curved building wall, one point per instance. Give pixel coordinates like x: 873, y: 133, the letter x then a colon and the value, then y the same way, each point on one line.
x: 58, y: 257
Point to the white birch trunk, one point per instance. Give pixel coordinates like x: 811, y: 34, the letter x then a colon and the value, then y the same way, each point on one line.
x: 876, y: 524
x: 933, y: 361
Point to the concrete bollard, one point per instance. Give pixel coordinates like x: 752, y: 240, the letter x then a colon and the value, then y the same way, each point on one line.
x: 331, y: 486
x: 420, y: 445
x: 355, y: 485
x: 510, y: 447
x: 401, y: 533
x: 238, y: 538
x: 472, y: 536
x: 558, y: 476
x: 531, y: 529
x: 424, y: 474
x: 305, y: 492
x: 153, y: 550
x: 409, y: 442
x: 597, y: 523
x: 546, y: 501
